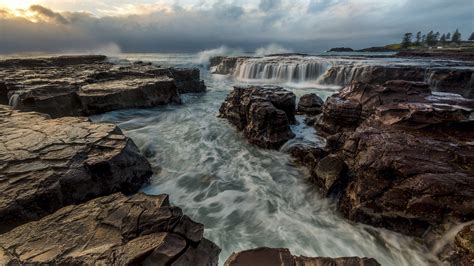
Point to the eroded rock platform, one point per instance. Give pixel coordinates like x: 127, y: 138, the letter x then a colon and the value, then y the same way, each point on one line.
x: 46, y: 164
x: 87, y: 85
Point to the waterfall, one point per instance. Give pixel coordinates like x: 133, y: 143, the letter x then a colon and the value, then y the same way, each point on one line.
x: 13, y: 101
x: 281, y: 69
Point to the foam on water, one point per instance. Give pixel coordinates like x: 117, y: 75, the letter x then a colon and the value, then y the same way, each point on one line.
x: 245, y: 196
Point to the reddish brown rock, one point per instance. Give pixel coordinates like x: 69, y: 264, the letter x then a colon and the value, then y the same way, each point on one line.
x: 46, y: 164
x: 283, y: 257
x: 310, y: 104
x: 263, y: 113
x: 408, y: 152
x: 112, y: 230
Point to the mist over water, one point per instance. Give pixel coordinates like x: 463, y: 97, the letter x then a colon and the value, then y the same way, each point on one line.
x: 245, y: 196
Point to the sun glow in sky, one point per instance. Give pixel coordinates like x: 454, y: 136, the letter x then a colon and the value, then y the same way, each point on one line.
x: 16, y: 4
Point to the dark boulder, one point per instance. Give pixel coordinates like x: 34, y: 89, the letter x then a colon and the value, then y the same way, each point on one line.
x: 310, y: 104
x: 263, y: 113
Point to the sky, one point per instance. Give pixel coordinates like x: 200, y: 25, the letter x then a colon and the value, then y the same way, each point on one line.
x: 196, y: 25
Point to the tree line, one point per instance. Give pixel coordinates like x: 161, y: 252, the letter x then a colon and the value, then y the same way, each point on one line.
x: 431, y: 39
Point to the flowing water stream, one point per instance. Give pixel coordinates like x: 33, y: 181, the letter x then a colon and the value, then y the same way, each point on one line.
x: 245, y: 196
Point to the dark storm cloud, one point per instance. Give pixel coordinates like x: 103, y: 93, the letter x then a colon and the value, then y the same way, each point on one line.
x: 48, y: 13
x: 299, y: 25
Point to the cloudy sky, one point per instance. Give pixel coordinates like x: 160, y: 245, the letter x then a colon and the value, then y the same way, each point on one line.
x: 194, y: 25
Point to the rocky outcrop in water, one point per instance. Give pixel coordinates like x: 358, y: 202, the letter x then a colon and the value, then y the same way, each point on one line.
x: 283, y: 257
x: 112, y: 230
x: 86, y: 85
x: 407, y: 152
x: 310, y: 104
x: 264, y: 114
x: 341, y: 49
x: 46, y: 164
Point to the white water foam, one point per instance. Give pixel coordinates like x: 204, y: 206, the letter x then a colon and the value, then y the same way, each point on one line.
x: 245, y: 196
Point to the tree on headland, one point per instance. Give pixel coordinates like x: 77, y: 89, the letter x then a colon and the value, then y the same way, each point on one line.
x: 423, y: 39
x: 436, y: 36
x: 418, y: 38
x: 406, y: 42
x: 431, y: 38
x: 443, y: 39
x: 456, y: 37
x: 472, y: 37
x: 448, y: 37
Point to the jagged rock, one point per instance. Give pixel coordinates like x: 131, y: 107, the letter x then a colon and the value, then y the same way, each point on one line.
x: 188, y: 80
x: 310, y: 104
x: 464, y: 246
x: 408, y: 152
x: 330, y: 172
x: 46, y: 164
x: 263, y: 113
x: 283, y: 257
x: 86, y: 85
x: 355, y: 103
x: 307, y: 155
x: 112, y: 230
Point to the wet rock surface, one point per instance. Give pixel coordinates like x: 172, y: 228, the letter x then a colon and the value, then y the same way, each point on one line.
x: 46, y: 164
x: 223, y: 65
x: 86, y: 85
x: 310, y: 104
x: 111, y: 230
x: 464, y: 246
x: 283, y: 257
x: 264, y: 114
x: 459, y: 81
x: 408, y: 152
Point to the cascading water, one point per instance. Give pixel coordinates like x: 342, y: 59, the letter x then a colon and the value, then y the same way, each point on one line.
x: 245, y: 196
x: 281, y: 69
x: 13, y: 100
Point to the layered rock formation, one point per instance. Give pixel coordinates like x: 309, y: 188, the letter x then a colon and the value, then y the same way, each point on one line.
x: 112, y: 230
x: 460, y: 81
x: 400, y: 156
x: 46, y: 164
x: 454, y: 77
x: 283, y: 257
x: 264, y: 114
x: 86, y: 85
x: 223, y: 65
